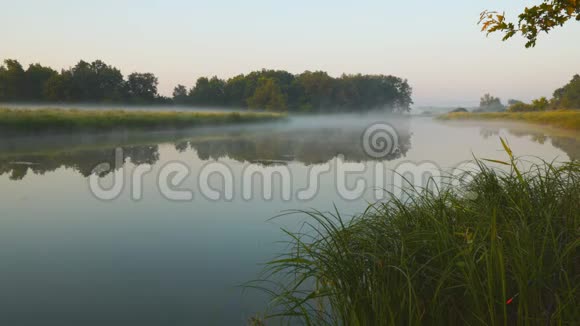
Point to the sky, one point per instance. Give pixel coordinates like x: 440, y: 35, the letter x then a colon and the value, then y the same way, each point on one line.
x: 436, y: 45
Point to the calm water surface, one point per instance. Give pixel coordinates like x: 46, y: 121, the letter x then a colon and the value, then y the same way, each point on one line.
x: 68, y: 258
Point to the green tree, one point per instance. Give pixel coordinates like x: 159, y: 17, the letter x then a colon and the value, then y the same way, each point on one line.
x: 209, y: 92
x: 142, y: 87
x: 268, y: 95
x: 236, y: 91
x: 57, y: 88
x: 3, y: 84
x: 89, y: 82
x: 568, y: 97
x: 309, y: 91
x: 12, y: 80
x: 541, y: 104
x: 318, y: 89
x: 540, y: 18
x: 180, y: 95
x: 379, y: 92
x: 98, y: 82
x: 109, y: 84
x: 520, y: 107
x: 284, y: 80
x: 36, y: 78
x: 82, y: 83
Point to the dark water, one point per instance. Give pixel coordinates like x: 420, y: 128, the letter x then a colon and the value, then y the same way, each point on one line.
x: 69, y: 258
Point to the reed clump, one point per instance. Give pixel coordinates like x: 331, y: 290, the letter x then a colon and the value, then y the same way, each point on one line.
x: 502, y: 249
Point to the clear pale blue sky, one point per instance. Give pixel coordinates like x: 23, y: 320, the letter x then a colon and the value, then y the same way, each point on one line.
x: 436, y: 45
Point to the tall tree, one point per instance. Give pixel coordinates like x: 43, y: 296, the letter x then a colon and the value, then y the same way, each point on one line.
x: 142, y: 87
x: 180, y: 95
x: 236, y: 91
x: 12, y: 81
x: 36, y: 78
x: 3, y: 84
x: 318, y: 88
x: 58, y: 87
x: 208, y: 92
x: 268, y: 95
x: 108, y: 82
x: 568, y: 97
x: 89, y: 82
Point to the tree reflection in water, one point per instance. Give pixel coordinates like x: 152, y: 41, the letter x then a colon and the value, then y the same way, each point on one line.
x: 265, y: 147
x: 566, y: 141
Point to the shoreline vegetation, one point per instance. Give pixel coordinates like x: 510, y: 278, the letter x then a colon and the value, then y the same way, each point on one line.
x: 566, y: 119
x: 557, y: 111
x: 73, y: 120
x: 271, y: 90
x: 502, y: 249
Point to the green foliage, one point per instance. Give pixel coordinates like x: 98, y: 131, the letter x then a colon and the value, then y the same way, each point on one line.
x: 142, y: 88
x: 499, y: 250
x: 36, y: 77
x: 569, y: 95
x: 268, y: 95
x: 180, y: 94
x: 16, y: 84
x: 306, y: 92
x: 317, y: 88
x: 12, y: 80
x: 237, y: 90
x: 208, y: 92
x: 274, y: 90
x: 520, y: 107
x: 94, y: 82
x: 540, y: 18
x: 541, y: 104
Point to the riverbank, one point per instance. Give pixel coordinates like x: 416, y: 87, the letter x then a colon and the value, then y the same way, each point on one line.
x: 567, y: 119
x: 71, y: 120
x: 500, y: 250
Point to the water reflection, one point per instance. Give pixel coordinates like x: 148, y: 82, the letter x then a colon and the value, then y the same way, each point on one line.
x: 307, y: 143
x: 306, y: 146
x: 81, y: 161
x: 269, y: 146
x: 568, y: 142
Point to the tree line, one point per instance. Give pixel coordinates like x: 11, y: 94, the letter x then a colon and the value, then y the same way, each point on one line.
x: 94, y: 82
x: 279, y: 90
x: 273, y: 90
x: 566, y: 97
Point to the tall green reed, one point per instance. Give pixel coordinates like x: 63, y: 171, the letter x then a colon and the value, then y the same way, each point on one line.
x: 506, y: 254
